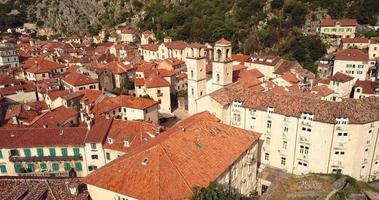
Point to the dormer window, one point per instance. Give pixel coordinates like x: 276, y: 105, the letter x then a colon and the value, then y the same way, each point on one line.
x: 126, y: 143
x: 110, y: 140
x: 237, y: 104
x: 270, y: 110
x: 341, y: 121
x: 307, y: 116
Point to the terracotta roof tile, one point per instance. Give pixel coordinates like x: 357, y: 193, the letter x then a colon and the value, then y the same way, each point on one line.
x: 352, y: 55
x: 359, y: 111
x: 354, y: 40
x: 290, y: 77
x: 99, y: 130
x: 77, y: 79
x: 240, y: 58
x: 111, y: 103
x: 35, y: 137
x: 223, y: 41
x: 57, y: 93
x: 181, y: 45
x: 127, y: 135
x: 368, y: 87
x: 57, y: 117
x: 165, y: 171
x: 342, y: 22
x: 150, y: 47
x: 341, y: 77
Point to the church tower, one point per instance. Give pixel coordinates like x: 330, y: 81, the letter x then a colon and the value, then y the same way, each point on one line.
x: 222, y: 66
x: 196, y: 74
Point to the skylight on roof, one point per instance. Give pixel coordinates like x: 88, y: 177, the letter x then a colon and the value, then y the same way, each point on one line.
x: 145, y: 161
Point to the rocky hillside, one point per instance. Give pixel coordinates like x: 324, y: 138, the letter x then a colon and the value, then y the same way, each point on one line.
x: 79, y: 16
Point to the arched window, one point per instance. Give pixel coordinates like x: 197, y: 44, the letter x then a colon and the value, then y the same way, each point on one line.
x: 219, y: 53
x: 192, y: 52
x: 192, y: 91
x: 227, y: 53
x: 191, y: 73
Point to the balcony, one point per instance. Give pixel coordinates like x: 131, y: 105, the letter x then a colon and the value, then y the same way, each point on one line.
x: 44, y: 158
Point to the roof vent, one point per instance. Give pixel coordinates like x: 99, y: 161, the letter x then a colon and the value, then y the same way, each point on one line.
x: 110, y: 140
x: 126, y: 143
x: 60, y: 132
x: 145, y: 161
x: 12, y: 135
x: 45, y: 126
x: 198, y: 145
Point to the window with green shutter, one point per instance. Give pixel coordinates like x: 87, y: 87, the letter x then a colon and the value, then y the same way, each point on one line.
x: 67, y: 166
x: 1, y: 154
x: 64, y: 151
x: 3, y: 169
x: 55, y: 167
x: 27, y: 153
x: 76, y: 152
x: 31, y: 167
x: 40, y: 152
x: 78, y: 166
x: 43, y: 166
x: 108, y: 156
x: 17, y: 168
x: 52, y: 152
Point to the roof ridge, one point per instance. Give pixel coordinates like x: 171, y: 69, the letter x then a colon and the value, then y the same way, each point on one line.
x: 175, y: 167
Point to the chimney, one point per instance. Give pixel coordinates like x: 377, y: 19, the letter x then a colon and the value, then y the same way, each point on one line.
x: 73, y: 188
x: 89, y: 124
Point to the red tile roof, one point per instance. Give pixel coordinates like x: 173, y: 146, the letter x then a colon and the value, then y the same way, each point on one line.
x: 90, y: 95
x: 368, y: 87
x: 253, y: 73
x: 240, y: 58
x: 165, y: 171
x: 354, y: 40
x: 358, y: 111
x: 341, y: 77
x: 111, y: 103
x: 117, y: 67
x: 8, y: 80
x: 290, y: 77
x: 175, y: 61
x: 181, y: 45
x: 223, y: 41
x: 351, y: 55
x: 57, y: 93
x: 265, y: 59
x: 322, y: 90
x: 38, y: 105
x: 99, y: 130
x: 128, y: 30
x: 42, y: 137
x: 77, y: 79
x: 147, y: 33
x: 150, y: 47
x: 42, y: 66
x: 342, y: 22
x: 13, y: 111
x: 58, y: 117
x: 127, y: 135
x: 156, y: 81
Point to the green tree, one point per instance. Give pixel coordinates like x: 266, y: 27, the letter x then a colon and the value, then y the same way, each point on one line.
x: 214, y: 191
x: 277, y: 4
x: 337, y: 8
